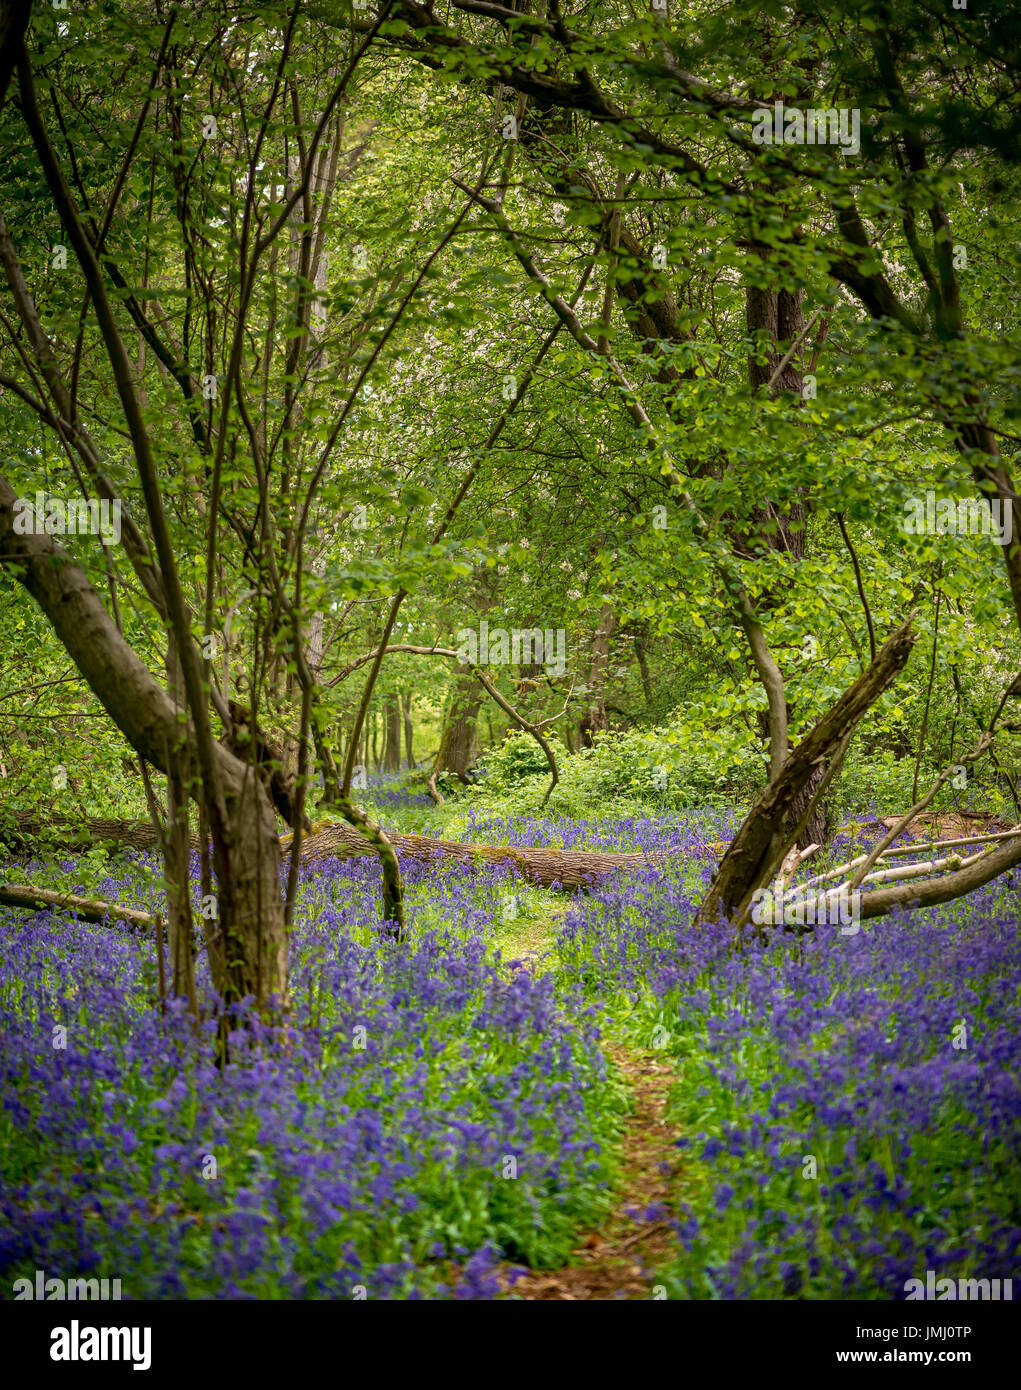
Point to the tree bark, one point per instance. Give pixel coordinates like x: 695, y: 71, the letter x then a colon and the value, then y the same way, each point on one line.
x: 458, y: 742
x: 409, y: 728
x: 13, y: 23
x: 87, y: 909
x: 250, y: 925
x: 176, y: 848
x: 392, y: 742
x: 570, y: 869
x: 594, y: 720
x: 769, y: 830
x: 779, y: 315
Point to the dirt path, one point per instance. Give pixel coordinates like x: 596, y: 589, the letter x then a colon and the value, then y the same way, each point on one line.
x: 621, y: 1258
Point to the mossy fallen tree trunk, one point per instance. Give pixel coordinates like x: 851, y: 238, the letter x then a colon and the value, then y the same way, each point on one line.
x: 568, y: 869
x: 87, y: 909
x: 32, y: 832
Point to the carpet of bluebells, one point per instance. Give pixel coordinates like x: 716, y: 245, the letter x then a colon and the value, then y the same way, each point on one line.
x: 427, y: 1108
x: 849, y: 1105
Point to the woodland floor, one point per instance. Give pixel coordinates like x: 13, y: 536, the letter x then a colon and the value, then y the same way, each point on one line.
x: 619, y: 1258
x: 640, y: 1184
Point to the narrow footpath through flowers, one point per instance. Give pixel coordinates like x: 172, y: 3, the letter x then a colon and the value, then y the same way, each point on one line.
x: 618, y: 1261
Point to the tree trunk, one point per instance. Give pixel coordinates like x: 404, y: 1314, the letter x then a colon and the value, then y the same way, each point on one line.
x: 779, y: 314
x: 314, y: 663
x: 85, y: 909
x: 176, y: 850
x: 458, y: 741
x: 251, y: 931
x: 595, y: 720
x: 768, y: 831
x: 568, y: 869
x: 377, y: 760
x: 817, y: 826
x: 392, y: 742
x: 409, y: 728
x: 250, y: 923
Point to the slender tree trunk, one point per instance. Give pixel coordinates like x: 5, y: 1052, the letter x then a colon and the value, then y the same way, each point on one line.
x: 392, y: 740
x: 458, y: 741
x: 409, y: 728
x: 176, y: 848
x: 595, y: 720
x: 249, y: 929
x: 314, y: 662
x: 779, y: 314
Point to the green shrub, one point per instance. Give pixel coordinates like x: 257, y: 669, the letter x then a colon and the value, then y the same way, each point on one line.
x: 668, y: 768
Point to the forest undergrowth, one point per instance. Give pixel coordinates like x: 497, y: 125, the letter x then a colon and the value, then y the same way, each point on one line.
x: 533, y: 1097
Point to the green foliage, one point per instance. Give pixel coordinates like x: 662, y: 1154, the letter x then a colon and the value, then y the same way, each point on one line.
x: 667, y: 768
x: 512, y: 762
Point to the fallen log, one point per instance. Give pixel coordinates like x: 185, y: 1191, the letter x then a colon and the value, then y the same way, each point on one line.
x: 21, y: 831
x: 88, y: 909
x: 570, y: 869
